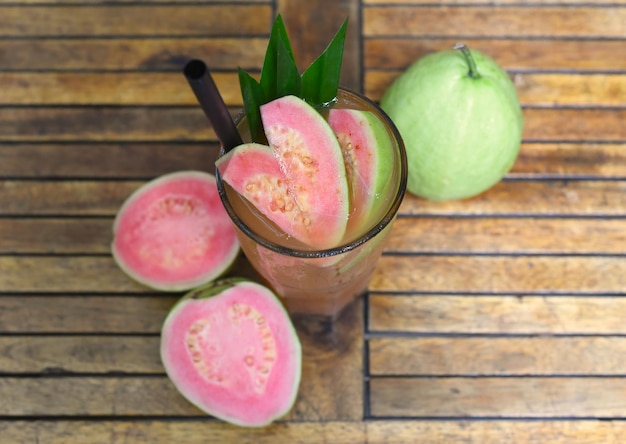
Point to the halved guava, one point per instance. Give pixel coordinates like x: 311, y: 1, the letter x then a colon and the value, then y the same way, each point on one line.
x: 231, y: 350
x: 366, y: 148
x: 173, y: 233
x: 299, y: 182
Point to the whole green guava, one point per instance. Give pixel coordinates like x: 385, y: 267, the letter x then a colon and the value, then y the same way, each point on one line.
x: 461, y: 121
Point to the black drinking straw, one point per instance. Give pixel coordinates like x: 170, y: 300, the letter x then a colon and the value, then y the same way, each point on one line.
x: 212, y: 104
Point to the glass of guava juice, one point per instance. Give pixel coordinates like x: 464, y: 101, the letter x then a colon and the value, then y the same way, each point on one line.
x: 324, y: 282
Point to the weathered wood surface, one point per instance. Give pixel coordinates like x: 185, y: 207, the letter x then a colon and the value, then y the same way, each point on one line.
x: 492, y: 320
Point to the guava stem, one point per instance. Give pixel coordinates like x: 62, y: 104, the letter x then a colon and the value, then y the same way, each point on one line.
x: 473, y: 70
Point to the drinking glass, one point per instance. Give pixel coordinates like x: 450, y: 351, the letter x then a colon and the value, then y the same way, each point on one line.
x: 321, y: 282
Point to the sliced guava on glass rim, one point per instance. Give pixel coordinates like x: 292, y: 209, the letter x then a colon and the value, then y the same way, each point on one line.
x: 173, y: 233
x: 231, y: 350
x: 366, y: 148
x: 300, y: 183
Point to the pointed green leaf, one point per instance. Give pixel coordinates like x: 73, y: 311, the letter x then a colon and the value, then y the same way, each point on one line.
x: 279, y: 75
x: 252, y: 95
x: 320, y: 81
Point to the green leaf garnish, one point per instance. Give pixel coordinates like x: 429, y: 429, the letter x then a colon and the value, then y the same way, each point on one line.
x: 280, y: 73
x: 320, y: 81
x: 252, y: 95
x: 280, y: 77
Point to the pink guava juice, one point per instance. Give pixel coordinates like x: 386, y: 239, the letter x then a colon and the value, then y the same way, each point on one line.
x: 323, y: 282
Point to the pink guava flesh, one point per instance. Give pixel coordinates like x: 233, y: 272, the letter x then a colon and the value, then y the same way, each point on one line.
x: 299, y: 181
x: 311, y: 160
x: 232, y: 351
x: 366, y: 149
x: 173, y: 234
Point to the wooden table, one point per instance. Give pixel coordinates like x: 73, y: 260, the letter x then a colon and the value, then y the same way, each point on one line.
x: 500, y: 319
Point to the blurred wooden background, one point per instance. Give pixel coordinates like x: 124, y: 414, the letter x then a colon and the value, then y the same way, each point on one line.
x: 498, y: 319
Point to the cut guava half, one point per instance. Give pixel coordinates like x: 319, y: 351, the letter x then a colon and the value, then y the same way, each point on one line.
x: 299, y: 181
x: 366, y: 147
x: 231, y: 350
x: 173, y: 233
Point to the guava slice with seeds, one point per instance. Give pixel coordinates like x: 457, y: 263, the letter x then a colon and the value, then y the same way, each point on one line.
x: 231, y: 350
x: 299, y: 182
x: 173, y: 233
x: 364, y: 140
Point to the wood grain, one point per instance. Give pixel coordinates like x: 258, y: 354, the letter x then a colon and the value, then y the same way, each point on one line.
x: 147, y: 160
x: 494, y: 21
x: 517, y: 397
x: 537, y: 89
x: 498, y: 356
x: 75, y: 314
x: 127, y: 88
x: 497, y: 315
x: 182, y: 124
x: 137, y: 20
x: 549, y: 198
x: 501, y: 274
x: 146, y: 54
x: 530, y: 198
x: 374, y: 432
x: 105, y: 160
x: 48, y: 355
x: 427, y: 234
x: 579, y: 56
x: 507, y: 235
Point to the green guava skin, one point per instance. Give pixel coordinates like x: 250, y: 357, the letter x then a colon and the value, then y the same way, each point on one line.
x: 462, y: 134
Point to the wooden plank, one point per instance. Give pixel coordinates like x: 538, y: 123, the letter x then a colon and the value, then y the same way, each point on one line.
x: 126, y: 88
x: 103, y: 198
x: 409, y: 235
x: 331, y: 386
x: 501, y: 356
x: 170, y: 431
x: 494, y: 21
x: 79, y: 274
x: 526, y: 315
x: 104, y: 160
x: 537, y: 89
x: 66, y: 197
x: 68, y: 274
x: 80, y: 314
x: 507, y: 235
x: 373, y: 432
x: 549, y: 198
x: 106, y: 2
x: 136, y: 20
x: 83, y: 124
x: 512, y: 397
x: 570, y: 160
x: 157, y: 124
x: 119, y: 54
x: 496, y: 432
x: 79, y: 354
x: 101, y: 396
x: 501, y: 274
x: 328, y: 17
x: 140, y: 88
x: 516, y: 55
x: 56, y: 236
x: 366, y: 3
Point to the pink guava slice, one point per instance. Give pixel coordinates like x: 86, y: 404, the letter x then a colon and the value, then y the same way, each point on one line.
x: 299, y: 181
x: 366, y: 147
x: 173, y: 233
x: 231, y: 350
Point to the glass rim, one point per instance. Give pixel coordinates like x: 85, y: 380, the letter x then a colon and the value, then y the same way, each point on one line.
x: 344, y: 247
